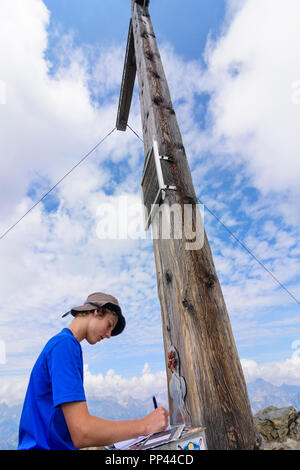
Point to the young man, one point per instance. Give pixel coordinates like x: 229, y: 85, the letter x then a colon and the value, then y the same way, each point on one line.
x: 55, y: 414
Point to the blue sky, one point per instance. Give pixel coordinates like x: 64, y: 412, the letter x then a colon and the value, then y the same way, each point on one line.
x: 98, y: 23
x: 233, y: 81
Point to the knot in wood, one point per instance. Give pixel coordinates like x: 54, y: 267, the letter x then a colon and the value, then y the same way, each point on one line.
x: 171, y: 111
x: 149, y: 55
x: 188, y: 306
x: 168, y: 277
x: 178, y: 145
x: 155, y: 74
x: 210, y: 281
x: 158, y: 100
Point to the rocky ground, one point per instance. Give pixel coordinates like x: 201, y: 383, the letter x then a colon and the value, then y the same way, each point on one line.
x: 279, y: 428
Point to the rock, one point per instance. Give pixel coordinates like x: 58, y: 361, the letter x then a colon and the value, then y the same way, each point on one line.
x: 287, y: 444
x: 295, y: 428
x: 279, y: 428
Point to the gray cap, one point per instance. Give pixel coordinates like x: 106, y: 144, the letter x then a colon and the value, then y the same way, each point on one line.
x: 98, y: 300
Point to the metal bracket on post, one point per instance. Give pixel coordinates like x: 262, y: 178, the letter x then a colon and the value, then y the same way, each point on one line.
x: 152, y: 167
x: 166, y: 158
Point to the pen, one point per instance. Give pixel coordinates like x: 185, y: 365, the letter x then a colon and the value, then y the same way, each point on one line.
x: 154, y: 402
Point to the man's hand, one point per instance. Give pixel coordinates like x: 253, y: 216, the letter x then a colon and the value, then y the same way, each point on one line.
x: 156, y: 421
x: 90, y: 431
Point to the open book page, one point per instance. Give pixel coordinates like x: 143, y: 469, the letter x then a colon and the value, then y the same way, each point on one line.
x: 126, y: 444
x: 152, y: 440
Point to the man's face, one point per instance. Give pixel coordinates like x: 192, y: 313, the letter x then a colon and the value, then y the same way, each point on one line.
x: 100, y: 327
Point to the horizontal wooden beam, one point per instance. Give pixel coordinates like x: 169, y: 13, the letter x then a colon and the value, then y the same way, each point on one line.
x: 128, y: 79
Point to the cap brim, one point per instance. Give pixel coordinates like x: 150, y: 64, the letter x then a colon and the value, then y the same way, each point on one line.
x: 81, y: 308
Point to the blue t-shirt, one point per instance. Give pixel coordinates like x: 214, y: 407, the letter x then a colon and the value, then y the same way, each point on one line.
x: 56, y: 378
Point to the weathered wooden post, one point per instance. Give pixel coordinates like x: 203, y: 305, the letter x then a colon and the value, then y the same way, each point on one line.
x: 205, y: 379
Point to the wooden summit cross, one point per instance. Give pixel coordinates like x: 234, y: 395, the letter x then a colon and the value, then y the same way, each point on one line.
x: 205, y: 380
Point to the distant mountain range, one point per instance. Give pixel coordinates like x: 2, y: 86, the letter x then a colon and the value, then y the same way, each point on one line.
x: 9, y: 423
x: 261, y: 395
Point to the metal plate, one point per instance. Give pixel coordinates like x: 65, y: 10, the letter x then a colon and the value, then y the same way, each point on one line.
x: 153, y: 185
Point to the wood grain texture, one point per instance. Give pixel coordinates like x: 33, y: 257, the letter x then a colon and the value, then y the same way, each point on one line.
x: 194, y: 315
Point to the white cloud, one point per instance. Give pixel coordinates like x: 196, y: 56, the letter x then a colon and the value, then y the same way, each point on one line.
x: 49, y: 121
x: 251, y: 70
x: 12, y: 390
x: 286, y: 371
x: 140, y: 386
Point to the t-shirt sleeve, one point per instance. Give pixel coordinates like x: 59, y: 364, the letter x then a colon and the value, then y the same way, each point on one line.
x: 65, y: 369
